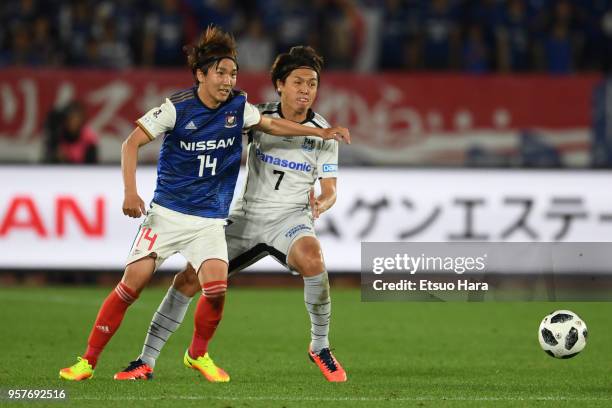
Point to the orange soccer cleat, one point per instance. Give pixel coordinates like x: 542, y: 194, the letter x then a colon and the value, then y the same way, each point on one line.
x: 137, y: 370
x: 329, y: 366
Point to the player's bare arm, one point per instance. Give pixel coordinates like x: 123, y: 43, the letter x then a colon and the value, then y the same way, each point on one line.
x: 326, y: 199
x: 284, y: 127
x: 133, y: 205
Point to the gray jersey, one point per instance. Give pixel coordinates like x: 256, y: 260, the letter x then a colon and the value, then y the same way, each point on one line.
x: 282, y: 170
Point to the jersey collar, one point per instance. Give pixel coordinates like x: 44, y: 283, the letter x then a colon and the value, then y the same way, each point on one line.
x: 309, y: 115
x: 229, y: 98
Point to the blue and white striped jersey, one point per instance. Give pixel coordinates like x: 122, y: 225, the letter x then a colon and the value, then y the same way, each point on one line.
x: 200, y: 155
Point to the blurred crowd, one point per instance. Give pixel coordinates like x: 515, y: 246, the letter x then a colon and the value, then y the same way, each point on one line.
x: 68, y: 137
x: 557, y: 36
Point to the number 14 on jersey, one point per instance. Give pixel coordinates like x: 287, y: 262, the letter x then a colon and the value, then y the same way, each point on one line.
x: 206, y: 162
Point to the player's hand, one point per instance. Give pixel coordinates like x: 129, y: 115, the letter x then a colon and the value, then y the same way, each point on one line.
x: 314, y: 204
x: 338, y: 133
x: 133, y: 206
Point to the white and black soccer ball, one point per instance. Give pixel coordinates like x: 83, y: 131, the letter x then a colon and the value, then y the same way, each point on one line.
x: 562, y: 334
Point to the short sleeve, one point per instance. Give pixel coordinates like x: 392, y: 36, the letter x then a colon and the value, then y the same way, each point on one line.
x: 251, y: 115
x: 158, y: 120
x: 327, y: 162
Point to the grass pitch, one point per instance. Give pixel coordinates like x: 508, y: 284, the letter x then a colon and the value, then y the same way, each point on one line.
x: 395, y: 354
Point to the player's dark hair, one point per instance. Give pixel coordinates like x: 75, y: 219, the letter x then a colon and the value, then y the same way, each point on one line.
x: 297, y: 57
x: 214, y: 45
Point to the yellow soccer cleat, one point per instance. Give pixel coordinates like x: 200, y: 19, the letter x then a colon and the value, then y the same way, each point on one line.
x: 207, y: 367
x: 82, y: 370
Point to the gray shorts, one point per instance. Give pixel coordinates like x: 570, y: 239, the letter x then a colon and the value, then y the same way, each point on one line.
x: 251, y: 237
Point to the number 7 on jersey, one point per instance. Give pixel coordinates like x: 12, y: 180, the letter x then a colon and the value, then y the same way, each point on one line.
x: 280, y: 178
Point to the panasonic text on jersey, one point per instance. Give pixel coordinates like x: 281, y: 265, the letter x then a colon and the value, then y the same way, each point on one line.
x: 276, y: 161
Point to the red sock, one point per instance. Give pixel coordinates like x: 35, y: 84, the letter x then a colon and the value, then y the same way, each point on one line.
x: 108, y: 321
x: 207, y: 316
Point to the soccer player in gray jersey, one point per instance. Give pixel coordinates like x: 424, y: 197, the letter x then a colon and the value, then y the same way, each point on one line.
x: 274, y: 214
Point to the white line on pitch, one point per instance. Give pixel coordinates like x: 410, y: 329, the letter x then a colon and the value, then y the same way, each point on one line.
x: 339, y: 399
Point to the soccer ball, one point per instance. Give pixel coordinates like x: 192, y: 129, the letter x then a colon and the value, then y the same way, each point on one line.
x: 562, y: 334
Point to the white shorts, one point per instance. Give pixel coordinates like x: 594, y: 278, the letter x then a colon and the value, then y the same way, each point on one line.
x: 165, y: 232
x: 251, y: 236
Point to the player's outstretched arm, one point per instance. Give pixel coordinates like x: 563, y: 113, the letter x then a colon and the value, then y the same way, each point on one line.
x: 133, y: 205
x: 284, y: 127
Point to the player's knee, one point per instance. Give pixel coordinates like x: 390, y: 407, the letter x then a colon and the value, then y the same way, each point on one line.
x: 307, y: 258
x: 212, y: 270
x: 310, y: 266
x: 187, y: 282
x: 137, y: 274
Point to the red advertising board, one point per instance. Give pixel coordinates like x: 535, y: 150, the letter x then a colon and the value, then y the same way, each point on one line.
x: 418, y: 118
